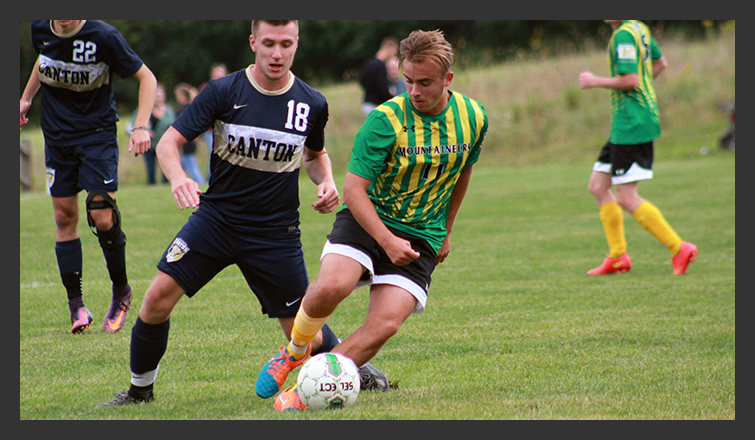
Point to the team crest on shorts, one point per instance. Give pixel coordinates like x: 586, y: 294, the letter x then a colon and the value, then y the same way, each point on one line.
x: 177, y: 250
x: 50, y: 172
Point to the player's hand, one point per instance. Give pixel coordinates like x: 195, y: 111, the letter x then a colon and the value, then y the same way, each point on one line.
x: 25, y: 105
x: 185, y: 192
x: 400, y: 251
x: 586, y: 80
x: 328, y: 198
x: 139, y: 142
x: 445, y: 249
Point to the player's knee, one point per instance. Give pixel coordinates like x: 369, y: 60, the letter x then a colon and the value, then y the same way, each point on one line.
x: 113, y: 238
x: 331, y: 293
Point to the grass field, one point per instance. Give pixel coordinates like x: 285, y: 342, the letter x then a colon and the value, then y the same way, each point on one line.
x: 514, y: 329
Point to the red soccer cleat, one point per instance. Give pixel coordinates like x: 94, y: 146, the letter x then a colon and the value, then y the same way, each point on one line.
x: 686, y: 255
x: 613, y: 265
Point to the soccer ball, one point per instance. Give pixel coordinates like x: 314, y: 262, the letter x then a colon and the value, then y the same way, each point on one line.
x: 328, y: 381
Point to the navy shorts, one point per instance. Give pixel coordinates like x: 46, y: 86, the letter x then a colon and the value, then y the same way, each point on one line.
x: 91, y: 166
x: 348, y: 238
x: 626, y: 163
x: 270, y: 259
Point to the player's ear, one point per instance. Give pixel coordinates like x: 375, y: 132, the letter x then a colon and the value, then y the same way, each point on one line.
x: 449, y: 78
x: 251, y: 42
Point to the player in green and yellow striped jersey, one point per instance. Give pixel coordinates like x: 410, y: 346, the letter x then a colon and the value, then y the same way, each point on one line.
x: 409, y: 171
x: 634, y: 61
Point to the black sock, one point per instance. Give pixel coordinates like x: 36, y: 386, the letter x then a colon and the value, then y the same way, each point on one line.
x: 113, y: 243
x: 141, y: 392
x: 148, y: 345
x: 329, y: 341
x: 68, y: 254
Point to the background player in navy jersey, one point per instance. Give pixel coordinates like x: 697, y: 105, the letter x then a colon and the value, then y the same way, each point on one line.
x: 266, y: 123
x: 75, y: 67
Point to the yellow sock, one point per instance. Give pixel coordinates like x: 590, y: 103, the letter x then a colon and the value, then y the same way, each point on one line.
x: 613, y: 223
x: 304, y: 332
x: 650, y: 218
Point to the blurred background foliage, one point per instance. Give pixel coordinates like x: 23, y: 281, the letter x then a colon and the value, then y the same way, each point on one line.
x: 332, y: 51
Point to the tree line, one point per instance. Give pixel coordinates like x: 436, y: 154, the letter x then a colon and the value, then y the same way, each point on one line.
x: 334, y: 50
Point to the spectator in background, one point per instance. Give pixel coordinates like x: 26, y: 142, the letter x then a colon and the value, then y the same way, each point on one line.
x: 374, y: 78
x: 217, y: 70
x: 161, y: 118
x: 396, y: 85
x: 185, y: 93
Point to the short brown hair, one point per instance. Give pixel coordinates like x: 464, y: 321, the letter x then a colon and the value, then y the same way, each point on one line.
x: 420, y: 45
x: 256, y: 24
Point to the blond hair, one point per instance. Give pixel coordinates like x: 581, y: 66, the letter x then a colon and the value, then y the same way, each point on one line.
x: 421, y: 45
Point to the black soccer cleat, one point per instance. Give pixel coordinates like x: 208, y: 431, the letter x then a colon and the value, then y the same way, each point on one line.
x: 372, y: 379
x: 124, y: 398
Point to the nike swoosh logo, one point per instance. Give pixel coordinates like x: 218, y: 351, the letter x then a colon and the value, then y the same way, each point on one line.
x: 289, y: 304
x: 616, y: 265
x: 109, y: 181
x: 236, y: 106
x: 117, y: 323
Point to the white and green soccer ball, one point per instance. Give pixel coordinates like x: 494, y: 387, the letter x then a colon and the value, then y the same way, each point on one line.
x: 328, y: 381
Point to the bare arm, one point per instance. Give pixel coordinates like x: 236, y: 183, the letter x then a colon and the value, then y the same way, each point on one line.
x: 658, y: 66
x: 32, y: 86
x: 185, y: 191
x: 140, y: 141
x: 619, y: 82
x: 355, y: 196
x: 318, y: 167
x: 457, y: 196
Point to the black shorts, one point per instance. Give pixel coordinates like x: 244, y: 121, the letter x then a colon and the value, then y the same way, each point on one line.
x: 348, y: 238
x: 89, y: 166
x: 626, y: 163
x: 270, y: 259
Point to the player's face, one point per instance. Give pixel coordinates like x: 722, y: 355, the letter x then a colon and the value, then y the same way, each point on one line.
x: 274, y: 47
x: 427, y: 86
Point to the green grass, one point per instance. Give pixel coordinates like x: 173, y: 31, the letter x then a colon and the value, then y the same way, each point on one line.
x: 513, y: 327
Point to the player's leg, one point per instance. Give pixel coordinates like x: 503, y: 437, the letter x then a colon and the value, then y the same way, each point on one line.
x: 389, y: 307
x: 337, y: 278
x: 611, y: 216
x: 68, y: 254
x: 62, y: 167
x: 98, y: 175
x: 612, y: 219
x: 104, y: 219
x: 652, y: 220
x: 149, y: 339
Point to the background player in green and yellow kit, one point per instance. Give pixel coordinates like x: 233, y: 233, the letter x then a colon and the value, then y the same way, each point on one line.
x: 635, y: 60
x: 409, y: 171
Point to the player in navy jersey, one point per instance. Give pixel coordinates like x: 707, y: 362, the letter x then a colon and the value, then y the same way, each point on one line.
x: 75, y: 68
x: 266, y: 123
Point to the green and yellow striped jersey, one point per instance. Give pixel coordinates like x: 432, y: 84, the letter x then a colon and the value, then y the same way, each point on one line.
x: 635, y: 116
x: 414, y: 161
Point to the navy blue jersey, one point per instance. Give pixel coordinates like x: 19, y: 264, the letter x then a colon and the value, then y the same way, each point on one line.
x: 259, y: 139
x: 76, y: 75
